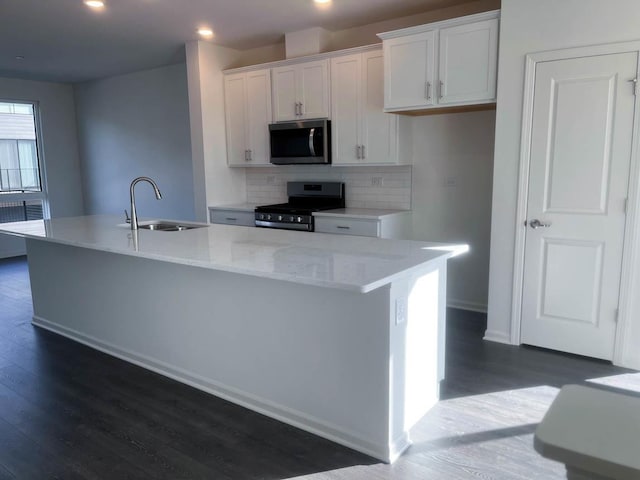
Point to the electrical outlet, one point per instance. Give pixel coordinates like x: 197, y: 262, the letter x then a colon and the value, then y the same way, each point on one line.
x: 451, y: 181
x: 271, y: 179
x: 401, y: 310
x: 377, y: 181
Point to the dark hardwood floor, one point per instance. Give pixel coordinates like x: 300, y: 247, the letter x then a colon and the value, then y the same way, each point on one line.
x: 69, y: 412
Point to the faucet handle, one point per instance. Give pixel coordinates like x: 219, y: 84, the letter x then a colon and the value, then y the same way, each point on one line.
x: 126, y: 214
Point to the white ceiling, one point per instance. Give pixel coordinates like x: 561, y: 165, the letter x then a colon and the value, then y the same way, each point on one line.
x: 63, y: 40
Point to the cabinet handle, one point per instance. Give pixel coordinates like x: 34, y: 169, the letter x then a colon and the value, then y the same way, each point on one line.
x: 342, y: 227
x: 357, y: 151
x: 298, y: 108
x: 440, y: 94
x: 231, y: 219
x: 246, y: 155
x: 250, y: 155
x: 301, y: 108
x: 428, y: 91
x: 362, y: 152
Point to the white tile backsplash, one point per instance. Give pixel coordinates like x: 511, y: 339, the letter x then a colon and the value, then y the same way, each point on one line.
x: 362, y: 184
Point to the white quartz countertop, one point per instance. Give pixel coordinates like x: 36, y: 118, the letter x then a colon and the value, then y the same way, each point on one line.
x: 365, y: 213
x: 345, y: 262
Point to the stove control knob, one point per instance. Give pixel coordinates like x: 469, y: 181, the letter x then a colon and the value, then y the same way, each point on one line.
x: 268, y: 217
x: 299, y: 219
x: 261, y: 216
x: 279, y: 218
x: 292, y: 219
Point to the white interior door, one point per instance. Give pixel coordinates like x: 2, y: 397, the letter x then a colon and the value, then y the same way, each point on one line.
x: 578, y: 181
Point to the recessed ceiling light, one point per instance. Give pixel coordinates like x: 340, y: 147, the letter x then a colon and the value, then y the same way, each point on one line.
x: 205, y: 32
x: 322, y: 4
x: 94, y: 3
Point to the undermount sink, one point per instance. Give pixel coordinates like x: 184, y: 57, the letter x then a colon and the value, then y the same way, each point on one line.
x: 163, y: 226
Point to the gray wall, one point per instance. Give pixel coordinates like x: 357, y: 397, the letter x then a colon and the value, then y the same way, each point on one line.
x: 132, y: 125
x: 59, y: 147
x: 451, y: 188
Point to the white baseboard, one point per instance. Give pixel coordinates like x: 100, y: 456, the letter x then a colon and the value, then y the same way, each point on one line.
x: 12, y: 253
x: 337, y: 434
x: 500, y: 337
x: 463, y: 305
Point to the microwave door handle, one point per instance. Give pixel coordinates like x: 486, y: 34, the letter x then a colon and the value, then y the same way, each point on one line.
x: 311, y: 147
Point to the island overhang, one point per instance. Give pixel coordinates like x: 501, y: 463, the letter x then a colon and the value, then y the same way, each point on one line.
x: 341, y: 336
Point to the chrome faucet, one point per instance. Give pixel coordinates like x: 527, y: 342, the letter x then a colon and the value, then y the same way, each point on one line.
x: 134, y: 214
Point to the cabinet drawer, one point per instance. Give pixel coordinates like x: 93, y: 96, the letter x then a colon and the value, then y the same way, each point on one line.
x: 348, y: 226
x: 232, y: 217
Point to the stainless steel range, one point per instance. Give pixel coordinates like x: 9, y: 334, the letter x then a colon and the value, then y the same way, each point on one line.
x: 304, y: 199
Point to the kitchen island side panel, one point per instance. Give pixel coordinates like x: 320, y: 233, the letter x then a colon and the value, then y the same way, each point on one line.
x: 314, y: 357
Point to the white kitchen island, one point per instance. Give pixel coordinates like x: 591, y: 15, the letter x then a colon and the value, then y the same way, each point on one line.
x: 341, y: 336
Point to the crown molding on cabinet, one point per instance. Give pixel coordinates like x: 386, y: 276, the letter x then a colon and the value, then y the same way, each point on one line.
x: 452, y: 22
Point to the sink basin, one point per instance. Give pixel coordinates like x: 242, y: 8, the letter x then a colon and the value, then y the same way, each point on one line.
x: 163, y: 226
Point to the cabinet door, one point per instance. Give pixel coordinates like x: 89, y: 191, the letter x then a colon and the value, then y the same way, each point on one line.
x: 409, y: 69
x: 379, y: 130
x: 236, y: 118
x: 258, y: 114
x: 468, y: 62
x: 348, y: 226
x: 345, y: 108
x: 313, y: 89
x: 284, y: 93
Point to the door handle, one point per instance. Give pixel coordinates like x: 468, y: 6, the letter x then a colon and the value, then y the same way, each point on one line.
x: 312, y: 149
x: 535, y: 223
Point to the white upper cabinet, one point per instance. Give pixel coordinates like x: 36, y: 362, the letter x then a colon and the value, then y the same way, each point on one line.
x: 410, y: 63
x: 301, y: 91
x: 449, y: 63
x: 468, y: 62
x: 361, y: 132
x: 248, y: 114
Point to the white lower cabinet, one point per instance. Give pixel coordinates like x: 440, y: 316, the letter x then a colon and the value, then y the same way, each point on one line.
x: 365, y: 223
x: 245, y: 218
x: 348, y: 226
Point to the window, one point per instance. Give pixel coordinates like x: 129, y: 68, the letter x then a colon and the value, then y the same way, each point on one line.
x: 22, y: 196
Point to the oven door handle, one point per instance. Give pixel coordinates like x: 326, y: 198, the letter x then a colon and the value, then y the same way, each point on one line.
x: 286, y: 226
x: 312, y: 133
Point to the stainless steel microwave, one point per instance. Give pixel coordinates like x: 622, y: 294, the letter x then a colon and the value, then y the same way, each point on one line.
x: 303, y: 142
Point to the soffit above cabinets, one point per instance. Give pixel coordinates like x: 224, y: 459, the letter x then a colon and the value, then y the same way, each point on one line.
x: 64, y: 41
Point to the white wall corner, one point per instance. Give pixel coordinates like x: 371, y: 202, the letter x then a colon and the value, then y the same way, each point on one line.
x: 306, y: 42
x: 214, y: 181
